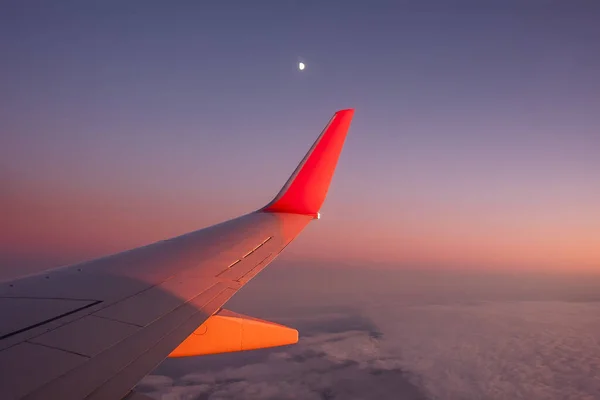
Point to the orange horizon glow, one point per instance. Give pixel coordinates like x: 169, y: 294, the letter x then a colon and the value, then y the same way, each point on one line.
x: 76, y: 225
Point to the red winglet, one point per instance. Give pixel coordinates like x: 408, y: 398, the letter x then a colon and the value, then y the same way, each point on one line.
x: 305, y: 190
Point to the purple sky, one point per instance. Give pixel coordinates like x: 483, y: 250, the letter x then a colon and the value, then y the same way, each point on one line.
x: 475, y: 141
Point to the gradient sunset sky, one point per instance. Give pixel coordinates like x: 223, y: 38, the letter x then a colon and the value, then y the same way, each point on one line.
x: 475, y: 142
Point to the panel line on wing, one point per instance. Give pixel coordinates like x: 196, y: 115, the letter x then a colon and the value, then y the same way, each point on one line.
x: 257, y: 247
x: 16, y: 332
x: 245, y: 256
x: 220, y: 288
x: 48, y: 298
x: 116, y: 320
x: 254, y: 268
x: 57, y: 348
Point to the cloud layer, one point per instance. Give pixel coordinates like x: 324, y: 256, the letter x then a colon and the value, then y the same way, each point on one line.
x: 370, y: 346
x: 501, y: 350
x: 345, y: 365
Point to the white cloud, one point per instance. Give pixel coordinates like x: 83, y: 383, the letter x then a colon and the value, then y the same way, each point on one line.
x: 499, y: 350
x: 386, y: 337
x: 347, y: 365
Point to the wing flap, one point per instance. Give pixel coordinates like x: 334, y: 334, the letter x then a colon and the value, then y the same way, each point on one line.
x: 227, y: 331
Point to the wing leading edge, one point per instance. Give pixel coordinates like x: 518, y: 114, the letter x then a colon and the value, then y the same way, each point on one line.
x: 93, y: 329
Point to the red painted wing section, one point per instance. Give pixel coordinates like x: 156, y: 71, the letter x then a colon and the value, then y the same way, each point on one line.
x: 306, y: 189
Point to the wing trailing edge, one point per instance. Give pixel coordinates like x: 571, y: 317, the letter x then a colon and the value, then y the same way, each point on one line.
x: 306, y: 189
x: 226, y: 332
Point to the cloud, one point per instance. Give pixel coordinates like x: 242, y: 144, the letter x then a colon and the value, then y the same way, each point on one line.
x: 339, y: 365
x: 386, y: 345
x: 500, y: 350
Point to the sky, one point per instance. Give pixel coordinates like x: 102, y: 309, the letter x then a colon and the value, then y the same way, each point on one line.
x: 474, y: 143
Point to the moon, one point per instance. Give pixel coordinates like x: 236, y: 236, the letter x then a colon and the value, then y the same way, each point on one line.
x: 301, y: 66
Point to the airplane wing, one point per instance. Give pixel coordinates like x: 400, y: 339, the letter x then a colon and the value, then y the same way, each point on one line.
x: 94, y: 329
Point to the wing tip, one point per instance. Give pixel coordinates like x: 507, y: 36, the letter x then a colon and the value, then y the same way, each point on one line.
x: 306, y: 189
x: 346, y: 112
